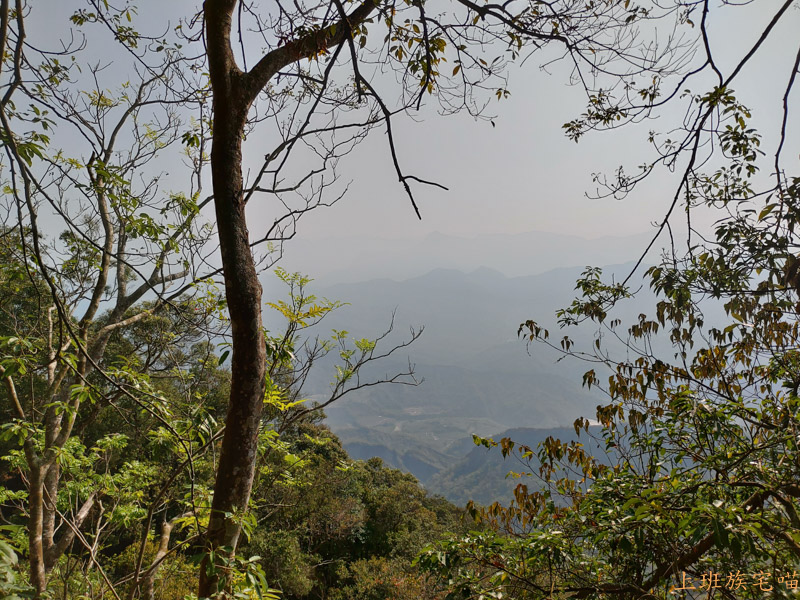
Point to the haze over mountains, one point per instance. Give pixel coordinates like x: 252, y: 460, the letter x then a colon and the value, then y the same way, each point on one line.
x: 360, y: 258
x: 479, y: 377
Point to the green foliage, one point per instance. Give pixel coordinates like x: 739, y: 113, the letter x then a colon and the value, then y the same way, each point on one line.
x: 12, y: 585
x: 115, y: 398
x: 381, y: 578
x: 176, y: 578
x: 328, y: 525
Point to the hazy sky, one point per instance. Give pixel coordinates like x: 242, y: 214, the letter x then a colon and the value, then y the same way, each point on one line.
x: 522, y: 174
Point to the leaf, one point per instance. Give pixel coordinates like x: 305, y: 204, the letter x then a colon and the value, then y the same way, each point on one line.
x: 766, y: 211
x: 223, y: 357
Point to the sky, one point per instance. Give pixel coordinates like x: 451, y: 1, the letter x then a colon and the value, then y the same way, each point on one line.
x: 521, y: 173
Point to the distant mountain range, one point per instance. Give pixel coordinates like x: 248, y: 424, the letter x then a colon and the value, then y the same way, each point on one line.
x: 352, y: 259
x: 478, y: 376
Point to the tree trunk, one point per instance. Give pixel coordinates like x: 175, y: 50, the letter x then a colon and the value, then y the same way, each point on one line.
x: 50, y: 496
x: 237, y: 459
x: 234, y: 91
x: 35, y: 526
x: 148, y: 582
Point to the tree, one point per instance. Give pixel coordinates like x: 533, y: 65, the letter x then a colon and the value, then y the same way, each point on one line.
x: 111, y: 383
x: 700, y: 495
x: 120, y: 246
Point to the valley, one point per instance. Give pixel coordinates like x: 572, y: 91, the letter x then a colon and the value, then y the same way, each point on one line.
x: 476, y: 376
